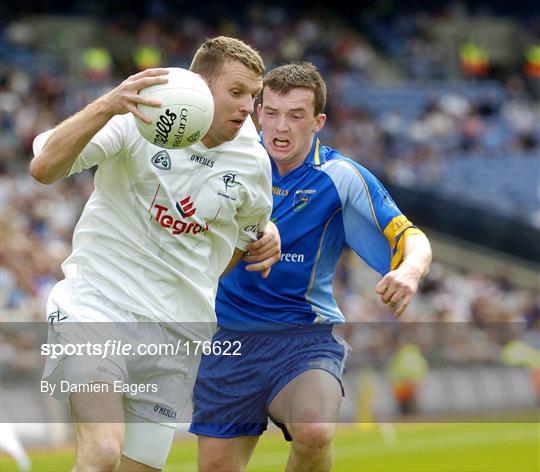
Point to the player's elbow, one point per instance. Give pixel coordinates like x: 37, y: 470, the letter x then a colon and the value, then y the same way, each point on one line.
x: 40, y: 172
x: 44, y: 167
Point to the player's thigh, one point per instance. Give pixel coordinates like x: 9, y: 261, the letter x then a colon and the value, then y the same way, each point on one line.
x: 162, y: 397
x: 97, y: 407
x: 224, y: 454
x: 314, y: 396
x: 99, y: 421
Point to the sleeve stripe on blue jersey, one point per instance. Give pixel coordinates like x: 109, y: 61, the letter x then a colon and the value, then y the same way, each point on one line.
x: 367, y: 192
x: 369, y: 200
x: 314, y: 270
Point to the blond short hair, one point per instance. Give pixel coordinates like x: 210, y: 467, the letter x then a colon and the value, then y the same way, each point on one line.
x: 284, y: 78
x: 214, y: 52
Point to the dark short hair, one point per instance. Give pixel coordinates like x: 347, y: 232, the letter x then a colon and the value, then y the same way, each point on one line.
x: 211, y: 55
x: 284, y: 78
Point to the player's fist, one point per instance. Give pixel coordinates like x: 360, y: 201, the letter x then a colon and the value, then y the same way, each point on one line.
x: 397, y: 288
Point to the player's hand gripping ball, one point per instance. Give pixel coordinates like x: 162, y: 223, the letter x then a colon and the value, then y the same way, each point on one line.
x: 186, y: 112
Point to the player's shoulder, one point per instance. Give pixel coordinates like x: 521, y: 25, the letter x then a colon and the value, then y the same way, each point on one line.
x: 125, y: 122
x: 122, y: 128
x: 248, y: 145
x: 248, y: 138
x: 358, y: 185
x: 344, y: 169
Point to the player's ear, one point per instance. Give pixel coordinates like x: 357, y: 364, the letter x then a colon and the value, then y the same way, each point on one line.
x: 320, y: 120
x: 259, y: 112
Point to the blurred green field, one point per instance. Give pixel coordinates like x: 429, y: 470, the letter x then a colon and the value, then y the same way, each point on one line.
x: 493, y: 447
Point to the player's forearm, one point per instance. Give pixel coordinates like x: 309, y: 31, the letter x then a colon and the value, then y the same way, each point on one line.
x: 67, y: 141
x: 417, y: 254
x: 237, y: 256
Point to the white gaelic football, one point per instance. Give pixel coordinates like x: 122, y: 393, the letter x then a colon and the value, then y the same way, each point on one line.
x: 186, y: 112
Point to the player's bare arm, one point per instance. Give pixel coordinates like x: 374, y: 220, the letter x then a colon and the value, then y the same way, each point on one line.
x: 265, y: 251
x: 398, y: 287
x: 237, y: 255
x: 71, y: 136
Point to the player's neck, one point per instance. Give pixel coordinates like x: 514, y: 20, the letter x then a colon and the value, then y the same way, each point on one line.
x: 284, y: 168
x: 209, y: 142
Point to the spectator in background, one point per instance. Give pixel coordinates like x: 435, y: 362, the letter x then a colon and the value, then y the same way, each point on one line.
x: 406, y: 370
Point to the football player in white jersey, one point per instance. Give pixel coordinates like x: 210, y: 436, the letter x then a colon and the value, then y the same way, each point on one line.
x: 155, y: 236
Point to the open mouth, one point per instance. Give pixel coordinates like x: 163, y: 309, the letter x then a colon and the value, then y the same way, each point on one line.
x: 280, y: 143
x: 237, y: 123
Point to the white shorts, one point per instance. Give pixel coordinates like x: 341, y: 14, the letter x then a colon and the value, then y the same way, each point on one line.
x: 157, y: 387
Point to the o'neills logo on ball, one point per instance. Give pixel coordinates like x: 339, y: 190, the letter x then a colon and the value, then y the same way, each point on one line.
x: 184, y: 113
x: 164, y: 126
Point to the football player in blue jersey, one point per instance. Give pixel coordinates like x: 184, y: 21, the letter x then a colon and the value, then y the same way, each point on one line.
x: 288, y: 363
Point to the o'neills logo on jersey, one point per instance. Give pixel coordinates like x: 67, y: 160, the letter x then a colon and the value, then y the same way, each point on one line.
x: 166, y: 220
x: 280, y: 192
x: 202, y: 160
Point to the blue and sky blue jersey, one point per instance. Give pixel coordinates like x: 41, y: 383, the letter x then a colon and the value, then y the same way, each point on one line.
x: 320, y: 207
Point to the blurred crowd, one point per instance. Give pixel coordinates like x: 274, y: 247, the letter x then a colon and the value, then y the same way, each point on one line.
x: 410, y: 143
x: 414, y: 143
x: 407, y: 133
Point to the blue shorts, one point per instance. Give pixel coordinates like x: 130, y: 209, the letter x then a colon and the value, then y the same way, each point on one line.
x: 233, y: 393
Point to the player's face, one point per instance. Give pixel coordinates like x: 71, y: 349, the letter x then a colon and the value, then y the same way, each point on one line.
x: 288, y: 124
x: 234, y: 89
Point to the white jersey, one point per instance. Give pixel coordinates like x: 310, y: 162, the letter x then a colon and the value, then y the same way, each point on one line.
x: 161, y: 225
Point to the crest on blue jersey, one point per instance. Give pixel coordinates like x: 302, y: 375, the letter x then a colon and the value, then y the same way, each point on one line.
x: 162, y: 160
x: 302, y: 199
x: 387, y: 199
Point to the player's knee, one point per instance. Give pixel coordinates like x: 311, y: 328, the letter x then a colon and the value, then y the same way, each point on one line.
x: 99, y: 454
x: 221, y: 464
x: 312, y: 436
